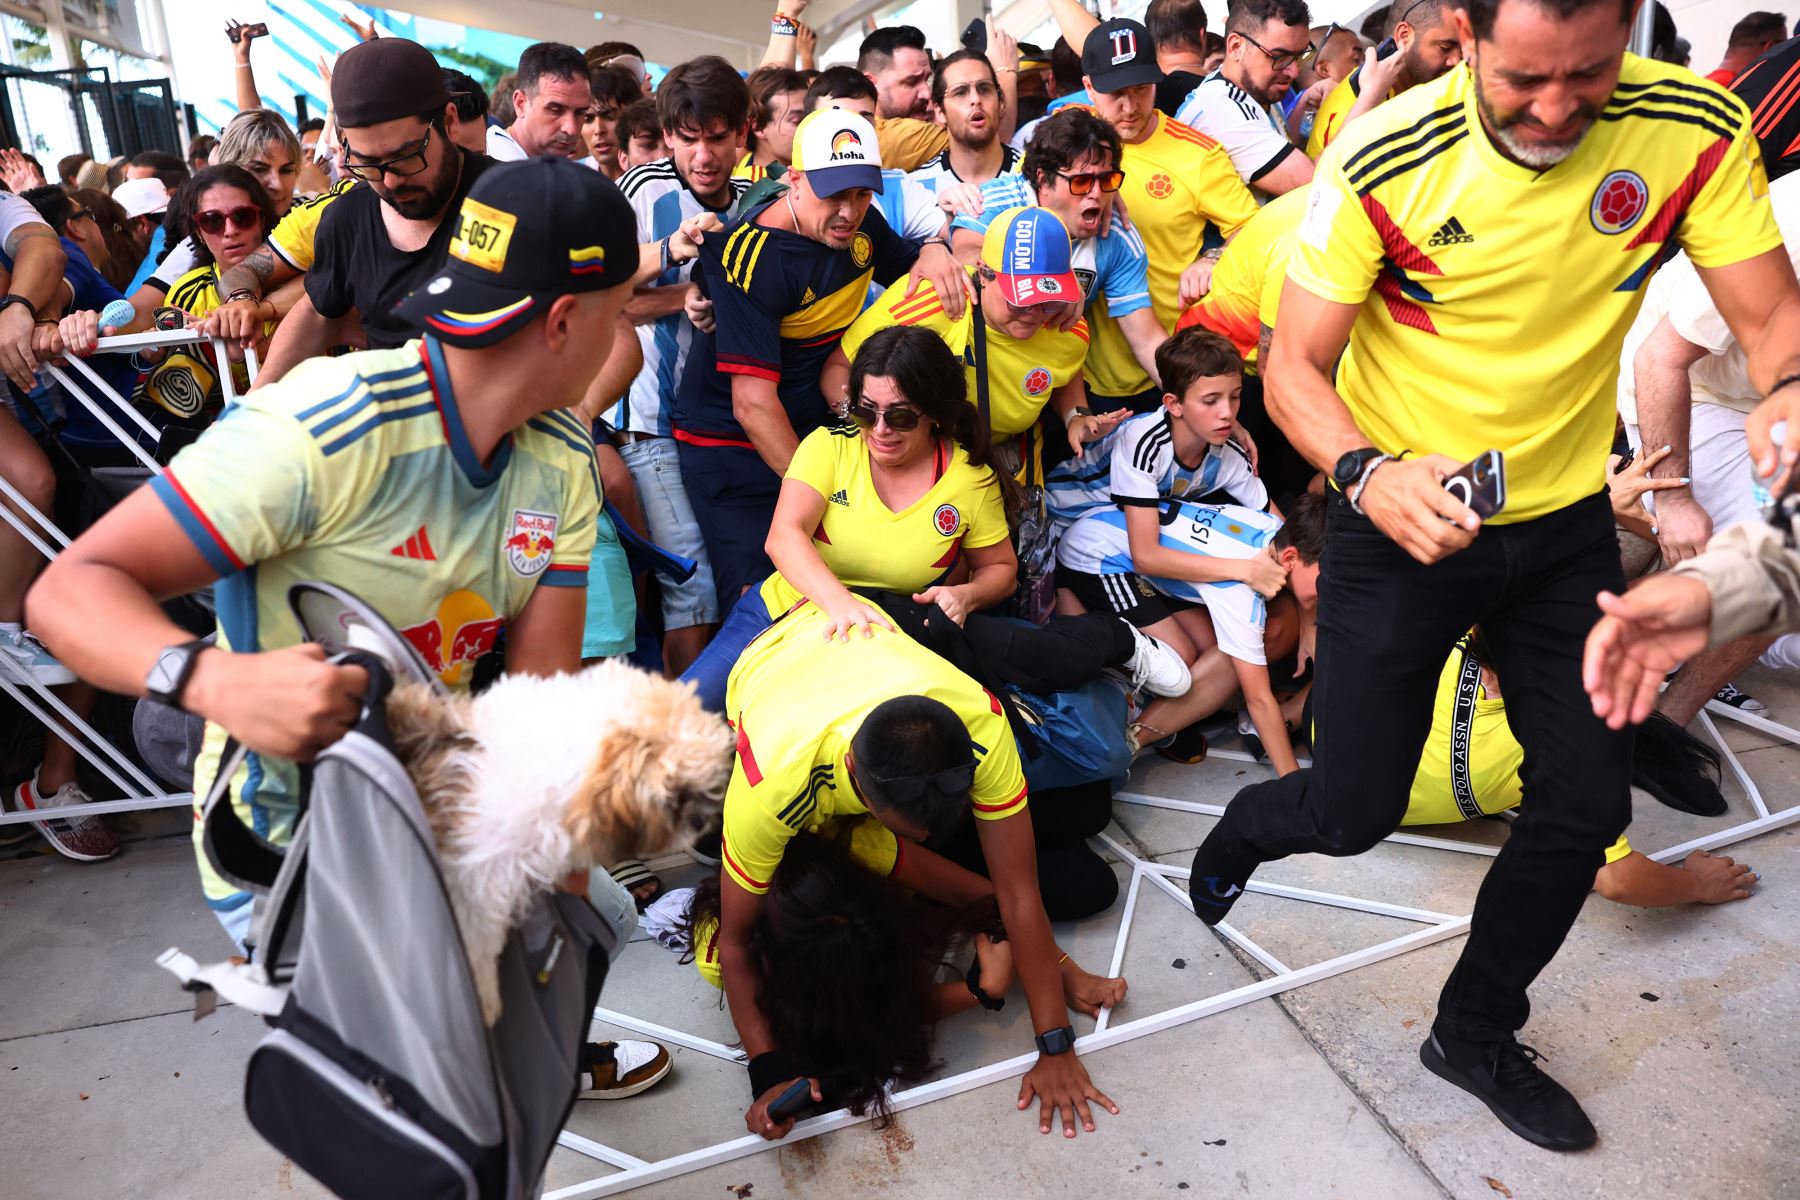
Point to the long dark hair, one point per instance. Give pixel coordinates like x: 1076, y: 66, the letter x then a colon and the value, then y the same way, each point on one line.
x: 180, y: 221
x: 847, y: 962
x: 933, y: 381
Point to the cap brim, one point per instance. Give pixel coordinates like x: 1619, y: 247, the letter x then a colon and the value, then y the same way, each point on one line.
x: 829, y: 181
x: 468, y: 313
x: 1022, y: 291
x: 1135, y: 75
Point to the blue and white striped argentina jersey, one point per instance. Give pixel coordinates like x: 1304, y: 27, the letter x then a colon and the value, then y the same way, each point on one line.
x: 662, y: 201
x: 936, y: 172
x: 1097, y: 544
x: 1135, y: 464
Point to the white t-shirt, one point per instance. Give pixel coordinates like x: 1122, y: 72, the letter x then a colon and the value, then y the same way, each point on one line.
x: 178, y: 262
x: 1723, y: 376
x: 502, y: 148
x: 16, y: 211
x: 1252, y: 135
x: 1098, y: 544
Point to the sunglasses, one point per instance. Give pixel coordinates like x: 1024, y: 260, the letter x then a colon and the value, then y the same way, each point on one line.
x: 1331, y: 31
x: 213, y: 221
x: 1082, y: 183
x: 88, y: 213
x: 910, y: 790
x: 900, y: 420
x: 408, y: 162
x: 1281, y: 60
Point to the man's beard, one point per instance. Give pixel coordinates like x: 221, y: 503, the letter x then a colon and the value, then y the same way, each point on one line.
x: 970, y: 140
x: 1539, y: 156
x: 430, y: 198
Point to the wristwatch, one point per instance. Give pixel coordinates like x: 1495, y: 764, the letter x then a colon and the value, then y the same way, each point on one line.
x: 12, y: 298
x: 174, y: 667
x: 1057, y: 1041
x: 973, y: 982
x: 1349, y: 468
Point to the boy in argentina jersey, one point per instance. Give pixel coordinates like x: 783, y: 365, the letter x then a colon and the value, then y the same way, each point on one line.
x: 438, y: 480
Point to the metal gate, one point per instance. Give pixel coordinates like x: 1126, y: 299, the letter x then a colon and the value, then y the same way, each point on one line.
x: 74, y: 109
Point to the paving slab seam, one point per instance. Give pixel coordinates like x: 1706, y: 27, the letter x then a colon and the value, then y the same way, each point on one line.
x: 20, y: 1037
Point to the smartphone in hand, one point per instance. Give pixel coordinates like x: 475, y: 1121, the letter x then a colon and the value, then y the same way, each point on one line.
x: 1480, y: 484
x: 237, y: 32
x: 792, y: 1103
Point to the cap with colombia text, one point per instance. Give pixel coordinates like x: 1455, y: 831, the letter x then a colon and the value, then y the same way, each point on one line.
x: 527, y: 233
x: 1028, y: 251
x: 1119, y: 54
x: 836, y: 150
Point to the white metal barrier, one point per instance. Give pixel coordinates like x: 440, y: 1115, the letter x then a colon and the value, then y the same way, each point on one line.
x: 82, y: 385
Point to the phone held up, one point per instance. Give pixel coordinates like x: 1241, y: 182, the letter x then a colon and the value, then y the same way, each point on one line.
x: 1480, y: 484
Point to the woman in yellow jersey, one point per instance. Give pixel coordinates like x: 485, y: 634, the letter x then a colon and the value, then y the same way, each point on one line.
x: 1470, y: 768
x: 901, y: 514
x: 228, y: 214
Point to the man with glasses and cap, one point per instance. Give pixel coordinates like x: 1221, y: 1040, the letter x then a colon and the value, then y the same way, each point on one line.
x: 376, y: 242
x: 407, y: 475
x: 785, y: 280
x: 881, y: 740
x: 1239, y: 104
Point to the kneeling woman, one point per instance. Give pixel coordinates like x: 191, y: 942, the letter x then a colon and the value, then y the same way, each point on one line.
x: 848, y: 944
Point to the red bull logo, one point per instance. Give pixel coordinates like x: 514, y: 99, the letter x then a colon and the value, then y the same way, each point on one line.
x: 464, y: 629
x: 532, y: 539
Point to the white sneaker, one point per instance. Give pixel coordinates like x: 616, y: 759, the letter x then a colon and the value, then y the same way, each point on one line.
x: 85, y: 839
x: 1155, y: 667
x: 615, y: 1070
x: 27, y: 654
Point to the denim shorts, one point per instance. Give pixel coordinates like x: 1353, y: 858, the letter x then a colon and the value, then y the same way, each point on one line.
x: 670, y: 519
x: 611, y: 626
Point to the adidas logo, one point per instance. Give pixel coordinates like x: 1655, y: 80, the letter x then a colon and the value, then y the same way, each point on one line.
x: 1450, y: 233
x: 416, y: 546
x: 841, y: 497
x: 808, y: 298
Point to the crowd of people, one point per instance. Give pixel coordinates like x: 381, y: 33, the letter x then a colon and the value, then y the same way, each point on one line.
x: 962, y: 425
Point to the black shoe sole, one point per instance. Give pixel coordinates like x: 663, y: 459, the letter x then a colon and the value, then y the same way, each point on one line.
x: 1209, y: 910
x: 1438, y: 1065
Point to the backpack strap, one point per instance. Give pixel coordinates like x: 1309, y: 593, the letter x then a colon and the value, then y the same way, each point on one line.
x: 240, y: 855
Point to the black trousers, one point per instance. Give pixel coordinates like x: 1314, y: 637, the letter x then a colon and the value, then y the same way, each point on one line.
x: 1060, y: 655
x: 1072, y: 877
x: 1386, y: 625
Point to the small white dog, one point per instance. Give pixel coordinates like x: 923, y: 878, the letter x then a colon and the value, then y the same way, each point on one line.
x: 538, y: 778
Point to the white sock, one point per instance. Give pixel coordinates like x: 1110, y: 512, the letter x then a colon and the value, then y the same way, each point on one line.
x: 11, y: 627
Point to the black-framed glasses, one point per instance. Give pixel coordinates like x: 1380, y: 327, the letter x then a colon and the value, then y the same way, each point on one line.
x: 1281, y: 60
x: 410, y: 161
x: 900, y: 420
x: 1082, y: 182
x: 1313, y: 51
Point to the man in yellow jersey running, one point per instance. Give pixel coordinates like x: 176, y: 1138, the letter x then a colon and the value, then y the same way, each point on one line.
x: 1425, y: 46
x: 1481, y: 244
x: 833, y: 736
x: 1180, y: 188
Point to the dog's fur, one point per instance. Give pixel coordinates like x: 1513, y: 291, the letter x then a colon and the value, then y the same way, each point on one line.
x: 537, y: 778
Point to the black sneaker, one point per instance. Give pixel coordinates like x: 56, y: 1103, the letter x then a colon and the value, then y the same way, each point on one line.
x: 1515, y: 1089
x: 1214, y: 884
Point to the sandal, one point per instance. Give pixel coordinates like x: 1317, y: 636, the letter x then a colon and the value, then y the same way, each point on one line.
x: 631, y: 874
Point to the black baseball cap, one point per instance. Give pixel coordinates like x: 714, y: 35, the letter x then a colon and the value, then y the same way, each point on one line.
x: 1119, y: 54
x: 527, y: 233
x: 384, y: 80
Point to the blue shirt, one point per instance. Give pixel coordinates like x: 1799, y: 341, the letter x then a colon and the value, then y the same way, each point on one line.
x: 93, y: 291
x: 148, y: 266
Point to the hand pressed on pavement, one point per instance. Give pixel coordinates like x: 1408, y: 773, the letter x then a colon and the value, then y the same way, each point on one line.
x: 1060, y: 1083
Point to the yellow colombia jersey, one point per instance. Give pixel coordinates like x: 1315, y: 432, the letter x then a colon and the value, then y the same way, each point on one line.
x: 1021, y: 374
x: 797, y: 700
x: 1328, y: 122
x: 1246, y: 285
x: 1494, y: 298
x: 1179, y: 183
x: 356, y: 470
x: 1470, y: 766
x: 747, y: 168
x: 186, y: 382
x: 292, y: 239
x: 867, y: 544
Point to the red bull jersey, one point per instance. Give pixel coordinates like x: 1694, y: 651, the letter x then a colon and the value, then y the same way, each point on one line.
x: 356, y: 471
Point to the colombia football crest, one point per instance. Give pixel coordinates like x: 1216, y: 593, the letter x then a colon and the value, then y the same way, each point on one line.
x: 947, y: 520
x: 1619, y: 201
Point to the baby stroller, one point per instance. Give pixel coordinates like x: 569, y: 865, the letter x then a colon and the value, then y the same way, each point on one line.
x: 378, y: 1076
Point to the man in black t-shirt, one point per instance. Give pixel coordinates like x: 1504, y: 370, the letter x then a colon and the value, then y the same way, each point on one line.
x: 1767, y: 86
x: 377, y: 242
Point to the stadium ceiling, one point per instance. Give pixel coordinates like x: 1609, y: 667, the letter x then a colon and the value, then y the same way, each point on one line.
x: 668, y: 31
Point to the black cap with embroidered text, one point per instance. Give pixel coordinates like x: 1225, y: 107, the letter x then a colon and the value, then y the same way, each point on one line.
x: 527, y: 233
x: 1119, y: 54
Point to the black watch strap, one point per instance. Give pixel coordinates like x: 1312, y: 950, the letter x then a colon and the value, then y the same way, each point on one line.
x: 12, y: 298
x: 973, y: 980
x: 1056, y: 1041
x: 169, y: 676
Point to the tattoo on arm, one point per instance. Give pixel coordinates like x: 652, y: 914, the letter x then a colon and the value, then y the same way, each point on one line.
x: 24, y: 233
x: 253, y: 274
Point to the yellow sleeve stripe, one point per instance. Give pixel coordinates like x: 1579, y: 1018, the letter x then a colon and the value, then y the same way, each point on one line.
x: 762, y: 239
x: 741, y: 253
